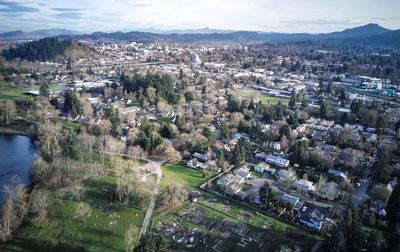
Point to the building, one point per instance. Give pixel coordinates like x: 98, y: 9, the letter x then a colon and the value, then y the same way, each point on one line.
x: 329, y: 191
x: 194, y: 163
x: 277, y: 160
x: 339, y: 174
x: 288, y: 200
x: 304, y: 185
x: 313, y: 216
x: 200, y: 156
x: 378, y: 208
x: 261, y: 167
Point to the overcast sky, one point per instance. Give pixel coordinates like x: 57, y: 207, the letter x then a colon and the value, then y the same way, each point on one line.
x: 257, y: 15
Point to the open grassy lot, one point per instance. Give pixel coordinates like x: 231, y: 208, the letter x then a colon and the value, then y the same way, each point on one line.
x: 13, y: 93
x: 103, y: 231
x: 250, y: 93
x: 183, y: 175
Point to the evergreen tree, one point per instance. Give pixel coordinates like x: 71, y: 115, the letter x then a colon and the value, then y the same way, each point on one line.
x: 241, y: 151
x: 72, y: 104
x: 292, y: 101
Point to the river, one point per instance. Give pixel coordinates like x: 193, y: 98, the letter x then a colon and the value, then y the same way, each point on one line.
x: 17, y: 154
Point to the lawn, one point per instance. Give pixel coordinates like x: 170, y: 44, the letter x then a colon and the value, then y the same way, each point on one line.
x: 13, y: 93
x: 103, y: 231
x: 250, y: 93
x: 183, y: 175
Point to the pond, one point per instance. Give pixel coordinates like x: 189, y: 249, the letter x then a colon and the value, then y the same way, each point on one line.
x: 17, y: 154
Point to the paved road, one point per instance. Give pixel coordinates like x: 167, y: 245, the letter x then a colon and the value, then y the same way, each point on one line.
x: 360, y: 194
x: 149, y: 212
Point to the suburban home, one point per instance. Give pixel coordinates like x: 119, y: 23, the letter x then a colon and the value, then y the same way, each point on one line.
x: 277, y: 160
x: 228, y: 178
x: 233, y: 189
x: 329, y: 191
x: 203, y: 157
x: 304, y: 185
x: 261, y: 156
x: 341, y: 175
x: 284, y: 175
x: 378, y: 208
x: 313, y: 216
x: 194, y: 163
x: 290, y: 200
x: 261, y: 167
x: 242, y: 168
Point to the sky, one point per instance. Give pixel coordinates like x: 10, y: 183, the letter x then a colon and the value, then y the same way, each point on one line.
x: 312, y: 16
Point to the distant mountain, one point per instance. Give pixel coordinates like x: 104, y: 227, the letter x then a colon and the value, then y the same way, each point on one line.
x: 391, y: 38
x: 370, y: 34
x: 357, y: 32
x: 20, y: 35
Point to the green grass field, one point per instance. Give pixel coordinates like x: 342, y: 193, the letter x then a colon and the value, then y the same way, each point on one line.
x: 14, y: 93
x: 250, y: 93
x: 183, y: 175
x: 102, y: 231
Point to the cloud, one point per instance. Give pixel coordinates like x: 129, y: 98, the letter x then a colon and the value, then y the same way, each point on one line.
x: 12, y: 7
x: 69, y: 9
x: 69, y: 15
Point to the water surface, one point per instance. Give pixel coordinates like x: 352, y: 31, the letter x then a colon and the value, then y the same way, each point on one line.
x: 17, y: 154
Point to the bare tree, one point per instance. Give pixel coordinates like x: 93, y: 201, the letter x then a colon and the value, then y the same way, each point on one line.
x: 41, y: 172
x: 14, y: 208
x: 174, y: 195
x: 83, y: 211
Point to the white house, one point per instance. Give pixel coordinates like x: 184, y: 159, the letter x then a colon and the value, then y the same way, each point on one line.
x: 194, y: 163
x: 304, y: 185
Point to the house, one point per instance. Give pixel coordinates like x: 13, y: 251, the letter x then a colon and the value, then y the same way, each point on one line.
x: 341, y: 175
x: 261, y: 167
x: 243, y: 171
x: 304, y: 185
x: 261, y: 156
x: 378, y: 208
x: 194, y: 163
x: 329, y: 191
x: 313, y: 216
x: 200, y: 156
x: 277, y: 160
x: 233, y: 189
x: 288, y: 199
x: 229, y: 178
x: 284, y: 175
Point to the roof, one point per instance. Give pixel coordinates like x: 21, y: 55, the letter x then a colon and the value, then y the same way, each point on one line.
x: 287, y: 198
x: 313, y: 213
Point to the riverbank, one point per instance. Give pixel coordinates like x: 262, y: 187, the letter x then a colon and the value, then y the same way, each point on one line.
x: 7, y: 130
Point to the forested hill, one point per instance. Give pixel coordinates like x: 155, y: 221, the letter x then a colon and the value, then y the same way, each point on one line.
x: 44, y: 49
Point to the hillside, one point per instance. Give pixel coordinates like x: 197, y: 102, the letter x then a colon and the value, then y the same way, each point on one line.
x: 357, y: 34
x: 48, y: 49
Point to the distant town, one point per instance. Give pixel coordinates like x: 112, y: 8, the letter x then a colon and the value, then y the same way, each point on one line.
x: 203, y: 146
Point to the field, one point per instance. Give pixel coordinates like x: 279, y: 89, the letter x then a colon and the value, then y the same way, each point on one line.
x: 250, y: 93
x: 183, y: 175
x: 13, y: 93
x: 103, y: 231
